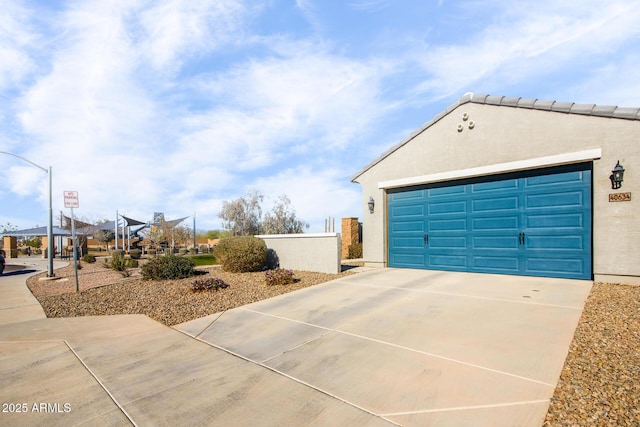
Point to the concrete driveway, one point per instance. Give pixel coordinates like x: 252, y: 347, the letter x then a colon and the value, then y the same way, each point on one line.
x: 383, y: 347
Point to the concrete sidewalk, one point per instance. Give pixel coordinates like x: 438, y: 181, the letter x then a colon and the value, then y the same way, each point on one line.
x: 383, y: 347
x: 17, y: 303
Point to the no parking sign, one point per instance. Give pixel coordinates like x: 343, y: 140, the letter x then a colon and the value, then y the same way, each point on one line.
x: 71, y: 199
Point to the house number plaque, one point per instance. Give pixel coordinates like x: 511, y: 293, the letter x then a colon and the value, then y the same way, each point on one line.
x: 620, y: 197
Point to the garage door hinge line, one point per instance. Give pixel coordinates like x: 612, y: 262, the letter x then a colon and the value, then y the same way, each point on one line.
x: 408, y: 349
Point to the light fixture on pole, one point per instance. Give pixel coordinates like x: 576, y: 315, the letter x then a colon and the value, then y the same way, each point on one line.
x: 50, y: 224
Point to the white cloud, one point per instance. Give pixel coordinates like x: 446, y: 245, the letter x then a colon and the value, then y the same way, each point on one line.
x: 15, y: 35
x: 525, y: 41
x: 315, y: 99
x: 177, y: 29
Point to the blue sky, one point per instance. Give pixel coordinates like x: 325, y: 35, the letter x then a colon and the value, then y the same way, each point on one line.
x: 176, y: 106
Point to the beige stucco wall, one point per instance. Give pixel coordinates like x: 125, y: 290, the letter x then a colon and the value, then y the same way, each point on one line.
x: 504, y: 134
x: 310, y: 252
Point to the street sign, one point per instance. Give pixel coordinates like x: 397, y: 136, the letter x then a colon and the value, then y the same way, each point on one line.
x: 71, y: 199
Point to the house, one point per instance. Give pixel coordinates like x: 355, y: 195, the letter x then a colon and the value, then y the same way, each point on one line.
x: 506, y: 185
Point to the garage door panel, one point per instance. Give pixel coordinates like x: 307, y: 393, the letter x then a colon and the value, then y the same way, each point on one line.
x: 447, y: 225
x: 400, y: 212
x: 501, y: 186
x: 555, y: 242
x: 556, y: 267
x: 446, y: 191
x: 495, y: 242
x: 407, y: 227
x: 495, y: 204
x: 570, y: 178
x: 448, y: 207
x: 530, y: 223
x: 556, y: 200
x: 502, y: 223
x: 409, y: 260
x: 448, y: 262
x: 408, y: 242
x: 555, y: 221
x: 507, y: 265
x: 408, y: 196
x: 447, y: 242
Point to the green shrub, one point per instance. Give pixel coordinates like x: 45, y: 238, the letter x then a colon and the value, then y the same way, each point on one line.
x: 118, y: 263
x: 279, y: 276
x: 89, y: 258
x: 241, y: 254
x: 135, y: 253
x: 355, y: 251
x: 182, y: 251
x: 151, y: 252
x: 131, y: 263
x: 168, y: 267
x: 208, y: 284
x: 117, y: 253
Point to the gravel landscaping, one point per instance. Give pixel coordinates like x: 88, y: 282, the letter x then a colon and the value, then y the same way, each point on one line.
x: 105, y: 291
x: 600, y: 381
x: 599, y: 384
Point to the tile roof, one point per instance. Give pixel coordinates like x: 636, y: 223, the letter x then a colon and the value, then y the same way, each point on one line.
x: 515, y: 102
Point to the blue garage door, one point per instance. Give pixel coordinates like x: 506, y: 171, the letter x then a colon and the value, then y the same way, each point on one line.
x: 535, y: 223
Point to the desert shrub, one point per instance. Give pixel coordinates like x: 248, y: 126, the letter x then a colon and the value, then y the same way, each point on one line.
x: 279, y: 276
x: 89, y: 258
x: 118, y: 263
x: 355, y: 251
x: 135, y: 253
x: 208, y: 284
x: 182, y: 251
x: 131, y: 263
x: 241, y: 254
x: 168, y: 267
x: 193, y: 251
x: 151, y: 252
x: 117, y: 253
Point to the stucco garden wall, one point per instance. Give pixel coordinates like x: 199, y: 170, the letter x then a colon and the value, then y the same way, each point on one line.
x: 310, y: 252
x: 501, y: 135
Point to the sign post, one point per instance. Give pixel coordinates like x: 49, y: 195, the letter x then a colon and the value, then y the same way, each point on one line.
x: 71, y: 201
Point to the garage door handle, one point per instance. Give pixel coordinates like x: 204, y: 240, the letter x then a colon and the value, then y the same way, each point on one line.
x: 521, y: 238
x: 426, y: 239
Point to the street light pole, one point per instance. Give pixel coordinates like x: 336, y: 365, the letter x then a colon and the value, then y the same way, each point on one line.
x: 50, y: 225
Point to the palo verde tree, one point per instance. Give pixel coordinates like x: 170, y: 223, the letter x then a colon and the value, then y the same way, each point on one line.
x: 243, y: 216
x: 282, y: 219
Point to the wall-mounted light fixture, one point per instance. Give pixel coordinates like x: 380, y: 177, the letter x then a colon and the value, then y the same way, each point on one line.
x: 617, y: 176
x: 371, y: 204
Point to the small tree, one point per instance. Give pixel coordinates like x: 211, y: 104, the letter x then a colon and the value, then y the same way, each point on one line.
x: 104, y: 236
x: 7, y: 228
x: 282, y: 219
x: 242, y: 216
